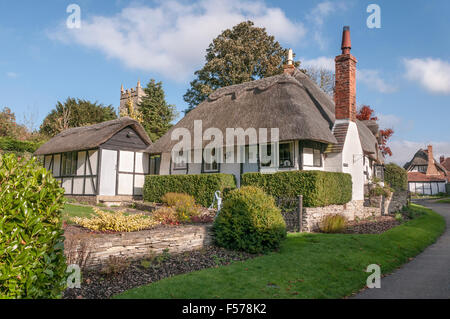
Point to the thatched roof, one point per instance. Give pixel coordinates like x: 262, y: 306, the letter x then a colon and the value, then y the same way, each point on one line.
x: 292, y: 103
x: 88, y: 137
x: 421, y: 158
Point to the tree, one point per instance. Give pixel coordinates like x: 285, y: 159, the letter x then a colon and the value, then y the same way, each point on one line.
x: 10, y: 128
x: 157, y: 114
x: 366, y: 113
x: 322, y: 77
x: 73, y: 113
x: 241, y: 54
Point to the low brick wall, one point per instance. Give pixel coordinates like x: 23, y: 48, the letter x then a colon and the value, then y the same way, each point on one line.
x: 140, y: 244
x: 312, y: 216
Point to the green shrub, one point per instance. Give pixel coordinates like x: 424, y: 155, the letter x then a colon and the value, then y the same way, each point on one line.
x: 183, y: 204
x: 334, y: 223
x: 378, y: 190
x: 249, y: 221
x: 13, y: 145
x: 396, y: 177
x: 32, y: 263
x: 318, y: 188
x: 201, y: 186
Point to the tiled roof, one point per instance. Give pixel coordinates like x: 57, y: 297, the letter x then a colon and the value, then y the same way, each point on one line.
x: 422, y: 177
x: 446, y: 164
x: 340, y: 132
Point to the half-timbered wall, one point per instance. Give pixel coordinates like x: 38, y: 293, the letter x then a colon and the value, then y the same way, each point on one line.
x: 76, y: 171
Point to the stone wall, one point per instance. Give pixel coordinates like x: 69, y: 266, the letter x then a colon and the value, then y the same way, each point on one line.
x: 140, y: 244
x: 312, y: 216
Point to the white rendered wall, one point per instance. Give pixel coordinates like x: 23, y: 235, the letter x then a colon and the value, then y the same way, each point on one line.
x: 352, y: 160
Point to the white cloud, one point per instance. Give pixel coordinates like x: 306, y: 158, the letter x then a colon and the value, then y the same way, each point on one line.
x: 171, y: 37
x: 432, y: 74
x: 12, y: 75
x: 321, y: 62
x: 373, y: 80
x: 320, y: 12
x: 388, y: 121
x: 369, y: 77
x: 404, y: 150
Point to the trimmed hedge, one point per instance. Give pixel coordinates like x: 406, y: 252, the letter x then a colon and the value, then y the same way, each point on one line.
x: 396, y: 177
x: 32, y: 262
x: 318, y: 188
x: 200, y: 186
x: 12, y: 145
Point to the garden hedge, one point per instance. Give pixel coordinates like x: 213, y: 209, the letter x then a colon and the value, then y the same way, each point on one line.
x: 200, y: 186
x: 318, y: 188
x: 396, y: 177
x: 32, y: 263
x: 12, y: 145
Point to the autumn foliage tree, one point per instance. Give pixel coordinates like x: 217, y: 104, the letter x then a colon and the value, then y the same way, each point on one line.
x: 365, y: 113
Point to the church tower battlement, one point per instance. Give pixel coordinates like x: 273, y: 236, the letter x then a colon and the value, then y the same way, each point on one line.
x: 135, y: 95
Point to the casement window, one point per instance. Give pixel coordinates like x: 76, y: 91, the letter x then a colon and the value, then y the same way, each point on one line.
x: 250, y: 154
x: 421, y: 168
x: 266, y: 155
x: 286, y: 155
x: 213, y: 166
x: 312, y: 154
x: 155, y: 161
x: 179, y: 162
x: 379, y: 172
x: 69, y: 164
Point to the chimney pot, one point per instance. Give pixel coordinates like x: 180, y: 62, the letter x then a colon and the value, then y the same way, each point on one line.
x: 442, y: 159
x: 346, y: 42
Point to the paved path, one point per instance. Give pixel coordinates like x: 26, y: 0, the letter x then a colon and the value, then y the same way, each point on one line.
x: 426, y: 276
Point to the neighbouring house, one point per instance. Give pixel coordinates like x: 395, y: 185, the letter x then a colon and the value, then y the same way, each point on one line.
x: 425, y: 175
x: 101, y: 162
x: 315, y: 132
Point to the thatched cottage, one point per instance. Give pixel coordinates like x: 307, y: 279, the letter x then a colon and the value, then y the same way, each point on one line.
x: 108, y: 161
x: 315, y: 132
x: 105, y: 161
x: 425, y: 175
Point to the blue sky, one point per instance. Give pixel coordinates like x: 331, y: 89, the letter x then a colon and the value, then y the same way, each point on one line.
x: 404, y: 66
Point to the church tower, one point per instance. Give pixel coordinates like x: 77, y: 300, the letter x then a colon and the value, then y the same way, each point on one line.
x: 134, y: 94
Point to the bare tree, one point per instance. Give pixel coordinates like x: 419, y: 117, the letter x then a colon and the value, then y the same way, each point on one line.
x: 322, y: 77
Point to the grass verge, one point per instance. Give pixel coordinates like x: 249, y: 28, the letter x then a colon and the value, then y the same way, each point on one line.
x: 443, y: 201
x: 71, y: 211
x: 307, y: 265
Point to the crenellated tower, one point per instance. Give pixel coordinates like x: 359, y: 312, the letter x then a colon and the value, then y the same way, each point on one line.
x: 134, y: 94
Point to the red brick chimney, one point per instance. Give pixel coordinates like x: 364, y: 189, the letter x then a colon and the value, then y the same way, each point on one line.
x: 431, y: 169
x: 345, y: 80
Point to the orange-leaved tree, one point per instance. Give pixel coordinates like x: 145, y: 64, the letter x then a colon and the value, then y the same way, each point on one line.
x: 365, y: 112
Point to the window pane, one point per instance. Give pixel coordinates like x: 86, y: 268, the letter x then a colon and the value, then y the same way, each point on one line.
x: 308, y: 158
x: 266, y: 155
x: 317, y: 158
x: 285, y: 154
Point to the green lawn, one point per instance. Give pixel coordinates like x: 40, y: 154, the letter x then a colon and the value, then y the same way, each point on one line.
x: 71, y: 211
x: 444, y: 201
x: 307, y: 265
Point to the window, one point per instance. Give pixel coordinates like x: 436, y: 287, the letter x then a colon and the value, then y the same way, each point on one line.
x: 179, y: 162
x: 69, y: 164
x: 211, y: 167
x: 155, y: 161
x: 379, y: 172
x: 285, y: 155
x: 266, y: 155
x: 312, y: 154
x: 421, y: 168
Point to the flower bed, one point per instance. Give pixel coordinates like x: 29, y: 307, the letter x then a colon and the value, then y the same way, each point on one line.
x: 99, y: 284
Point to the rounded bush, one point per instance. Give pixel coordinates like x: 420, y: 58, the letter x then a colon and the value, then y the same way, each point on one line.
x: 250, y: 221
x: 32, y: 263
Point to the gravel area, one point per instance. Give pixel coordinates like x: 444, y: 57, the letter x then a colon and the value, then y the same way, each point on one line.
x: 375, y: 225
x: 119, y: 276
